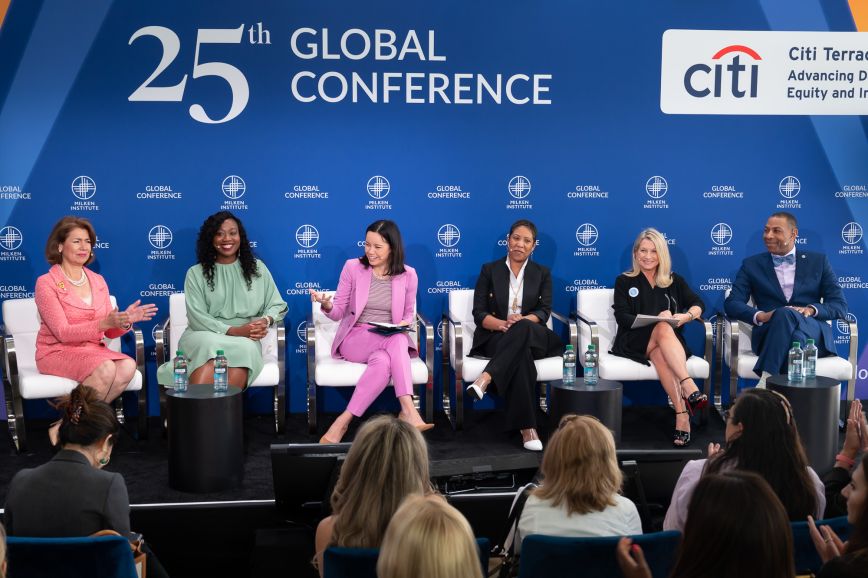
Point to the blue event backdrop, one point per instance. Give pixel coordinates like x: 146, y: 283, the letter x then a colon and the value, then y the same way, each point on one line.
x: 592, y: 160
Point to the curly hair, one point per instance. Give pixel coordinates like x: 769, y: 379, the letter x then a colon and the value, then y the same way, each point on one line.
x: 206, y: 254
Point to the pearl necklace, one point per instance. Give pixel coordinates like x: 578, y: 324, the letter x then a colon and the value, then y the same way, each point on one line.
x: 82, y: 280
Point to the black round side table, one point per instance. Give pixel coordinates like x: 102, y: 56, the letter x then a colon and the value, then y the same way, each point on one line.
x: 816, y: 405
x: 602, y: 401
x: 206, y: 451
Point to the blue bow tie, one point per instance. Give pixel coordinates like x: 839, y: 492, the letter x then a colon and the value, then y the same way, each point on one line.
x: 781, y: 259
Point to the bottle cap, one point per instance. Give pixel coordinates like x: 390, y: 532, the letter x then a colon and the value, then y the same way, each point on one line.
x: 569, y: 347
x: 219, y: 352
x: 179, y: 353
x: 796, y: 343
x: 592, y: 347
x: 810, y: 341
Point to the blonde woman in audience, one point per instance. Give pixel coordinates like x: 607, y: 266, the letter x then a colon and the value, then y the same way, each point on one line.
x: 387, y: 462
x: 428, y: 538
x: 581, y: 480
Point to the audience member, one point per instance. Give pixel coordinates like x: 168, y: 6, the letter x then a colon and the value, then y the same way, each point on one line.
x: 787, y: 295
x: 581, y: 480
x: 428, y: 538
x: 231, y: 301
x: 72, y: 495
x: 387, y: 462
x: 836, y: 479
x: 847, y: 559
x: 761, y: 437
x: 512, y: 302
x: 736, y: 528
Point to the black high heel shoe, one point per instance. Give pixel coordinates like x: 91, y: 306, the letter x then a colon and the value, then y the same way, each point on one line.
x: 696, y: 401
x: 681, y: 438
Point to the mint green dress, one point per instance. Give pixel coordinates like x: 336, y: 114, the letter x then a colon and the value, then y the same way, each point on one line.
x: 210, y: 313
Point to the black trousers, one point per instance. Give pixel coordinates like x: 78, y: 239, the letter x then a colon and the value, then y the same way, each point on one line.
x: 512, y: 370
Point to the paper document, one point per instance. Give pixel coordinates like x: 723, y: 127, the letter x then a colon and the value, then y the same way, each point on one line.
x: 645, y: 320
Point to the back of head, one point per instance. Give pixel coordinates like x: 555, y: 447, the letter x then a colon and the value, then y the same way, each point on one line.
x: 579, y: 467
x: 858, y: 541
x: 769, y: 445
x: 85, y: 418
x: 387, y: 462
x: 736, y: 528
x: 428, y: 538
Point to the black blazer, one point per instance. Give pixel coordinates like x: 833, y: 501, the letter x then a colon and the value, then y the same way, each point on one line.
x: 66, y: 497
x: 491, y: 296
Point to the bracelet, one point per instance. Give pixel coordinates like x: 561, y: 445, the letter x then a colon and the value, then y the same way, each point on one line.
x: 692, y: 316
x: 845, y: 460
x: 126, y: 327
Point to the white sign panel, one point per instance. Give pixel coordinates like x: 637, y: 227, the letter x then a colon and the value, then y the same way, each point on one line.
x: 751, y: 72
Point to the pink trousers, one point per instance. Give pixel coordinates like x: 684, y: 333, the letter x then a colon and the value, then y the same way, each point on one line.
x: 386, y: 356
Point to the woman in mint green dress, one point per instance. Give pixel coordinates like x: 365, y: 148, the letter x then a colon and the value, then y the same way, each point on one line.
x: 231, y: 302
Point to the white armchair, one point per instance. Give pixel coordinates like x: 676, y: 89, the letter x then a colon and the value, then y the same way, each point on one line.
x: 21, y: 379
x: 273, y: 372
x: 736, y: 353
x: 325, y: 371
x: 595, y: 320
x: 458, y: 330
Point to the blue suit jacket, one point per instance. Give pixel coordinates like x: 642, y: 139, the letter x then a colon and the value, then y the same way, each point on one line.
x: 814, y: 281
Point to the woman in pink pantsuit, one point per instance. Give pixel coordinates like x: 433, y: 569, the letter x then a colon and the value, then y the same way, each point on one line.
x: 76, y: 313
x: 378, y: 288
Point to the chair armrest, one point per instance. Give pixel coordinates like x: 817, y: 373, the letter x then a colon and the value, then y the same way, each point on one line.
x: 161, y: 335
x: 853, y: 358
x: 571, y: 327
x: 426, y: 325
x: 577, y: 317
x: 310, y: 341
x: 709, y: 338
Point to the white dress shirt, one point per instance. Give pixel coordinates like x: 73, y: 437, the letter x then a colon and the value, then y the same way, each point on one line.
x: 516, y: 288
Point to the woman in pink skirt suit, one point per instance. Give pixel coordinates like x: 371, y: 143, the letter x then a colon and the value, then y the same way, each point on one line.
x: 76, y: 313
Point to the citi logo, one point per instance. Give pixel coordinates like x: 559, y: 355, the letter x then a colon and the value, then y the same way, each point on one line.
x: 702, y: 80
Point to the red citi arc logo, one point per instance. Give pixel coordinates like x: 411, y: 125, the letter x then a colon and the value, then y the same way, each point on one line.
x: 702, y: 80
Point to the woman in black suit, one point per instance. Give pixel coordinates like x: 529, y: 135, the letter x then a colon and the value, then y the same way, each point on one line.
x: 511, y: 304
x: 651, y: 288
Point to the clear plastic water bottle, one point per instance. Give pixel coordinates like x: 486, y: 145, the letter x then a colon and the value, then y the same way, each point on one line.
x: 180, y: 372
x: 796, y: 363
x: 221, y: 375
x: 811, y: 354
x: 591, y: 373
x: 569, y: 365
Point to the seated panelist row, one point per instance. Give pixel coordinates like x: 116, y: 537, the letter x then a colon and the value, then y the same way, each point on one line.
x: 232, y: 300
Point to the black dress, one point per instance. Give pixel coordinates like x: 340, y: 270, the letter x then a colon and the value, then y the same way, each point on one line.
x: 512, y: 354
x: 635, y: 296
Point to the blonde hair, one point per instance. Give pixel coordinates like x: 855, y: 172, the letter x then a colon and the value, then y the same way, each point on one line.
x: 428, y: 538
x: 387, y: 462
x: 664, y: 261
x: 579, y: 466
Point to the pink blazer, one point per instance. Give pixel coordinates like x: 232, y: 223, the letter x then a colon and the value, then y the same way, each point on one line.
x: 352, y: 295
x: 66, y: 319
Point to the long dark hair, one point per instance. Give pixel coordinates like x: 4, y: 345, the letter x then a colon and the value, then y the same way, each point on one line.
x: 390, y: 233
x: 858, y: 541
x: 85, y: 418
x: 736, y: 528
x: 206, y: 254
x: 770, y: 445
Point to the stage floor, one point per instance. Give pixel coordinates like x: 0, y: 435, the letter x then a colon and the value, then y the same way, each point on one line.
x: 144, y: 464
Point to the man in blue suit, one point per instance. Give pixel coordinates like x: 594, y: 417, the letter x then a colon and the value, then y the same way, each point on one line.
x: 787, y: 288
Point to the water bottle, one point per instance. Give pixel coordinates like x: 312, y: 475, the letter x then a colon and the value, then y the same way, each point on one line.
x: 569, y: 365
x: 796, y: 363
x: 810, y: 360
x: 221, y: 376
x: 591, y: 374
x: 180, y: 370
